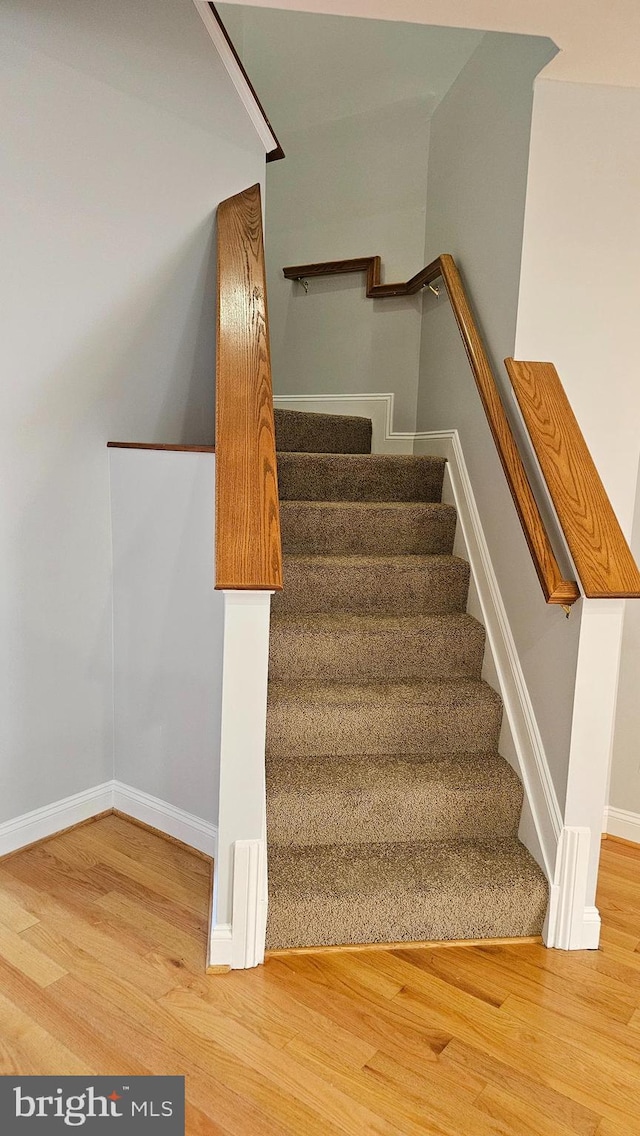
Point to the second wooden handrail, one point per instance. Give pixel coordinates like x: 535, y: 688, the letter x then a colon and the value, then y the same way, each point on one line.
x: 248, y: 545
x: 603, y: 559
x: 555, y: 588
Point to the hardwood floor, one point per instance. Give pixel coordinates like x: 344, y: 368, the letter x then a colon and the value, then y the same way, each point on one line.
x: 102, y: 950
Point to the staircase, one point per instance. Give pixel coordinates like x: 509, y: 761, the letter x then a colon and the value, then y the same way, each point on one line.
x: 390, y: 814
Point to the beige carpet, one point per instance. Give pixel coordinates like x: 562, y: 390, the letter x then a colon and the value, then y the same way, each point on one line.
x: 390, y: 814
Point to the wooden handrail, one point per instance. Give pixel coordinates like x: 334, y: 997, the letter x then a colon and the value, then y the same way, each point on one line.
x: 555, y: 588
x: 248, y: 544
x: 602, y: 557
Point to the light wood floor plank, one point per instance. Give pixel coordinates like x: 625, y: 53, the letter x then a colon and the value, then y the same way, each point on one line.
x: 528, y: 1089
x: 190, y: 948
x: 102, y: 945
x: 316, y: 1090
x: 514, y: 1115
x: 33, y: 1050
x: 28, y: 959
x: 13, y: 915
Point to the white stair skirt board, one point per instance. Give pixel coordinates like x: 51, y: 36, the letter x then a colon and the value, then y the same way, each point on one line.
x: 47, y: 821
x: 565, y: 848
x: 619, y: 822
x: 238, y: 910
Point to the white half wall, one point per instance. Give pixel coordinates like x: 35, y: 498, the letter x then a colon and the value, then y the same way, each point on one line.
x: 167, y: 628
x: 121, y: 131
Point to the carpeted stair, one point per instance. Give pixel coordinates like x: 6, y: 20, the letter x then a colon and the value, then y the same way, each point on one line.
x: 390, y: 815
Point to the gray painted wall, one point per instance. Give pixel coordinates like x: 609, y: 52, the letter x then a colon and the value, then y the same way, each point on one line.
x: 476, y: 194
x: 350, y: 100
x: 351, y: 187
x: 121, y: 131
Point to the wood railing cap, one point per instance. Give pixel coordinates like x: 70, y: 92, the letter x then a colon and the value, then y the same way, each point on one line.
x: 604, y: 562
x: 248, y: 543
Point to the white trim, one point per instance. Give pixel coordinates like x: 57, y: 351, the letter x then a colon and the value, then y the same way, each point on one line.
x: 220, y: 945
x: 572, y: 924
x: 240, y: 944
x: 238, y: 909
x: 591, y: 926
x: 253, y: 109
x: 184, y: 826
x: 620, y: 822
x: 593, y: 723
x: 249, y: 904
x: 47, y: 821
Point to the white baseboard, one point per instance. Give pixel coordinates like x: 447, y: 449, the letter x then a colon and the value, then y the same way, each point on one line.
x: 620, y: 822
x: 221, y: 945
x: 50, y: 819
x: 46, y: 821
x: 190, y: 829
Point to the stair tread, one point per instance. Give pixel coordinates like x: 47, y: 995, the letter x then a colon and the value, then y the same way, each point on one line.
x: 361, y: 624
x: 409, y: 560
x: 402, y: 693
x: 363, y: 770
x: 346, y: 505
x: 335, y: 869
x: 367, y: 460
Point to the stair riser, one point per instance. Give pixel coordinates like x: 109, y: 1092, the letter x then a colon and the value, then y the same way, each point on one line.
x: 369, y: 589
x: 379, y: 729
x: 367, y: 530
x: 353, y: 656
x: 439, y: 916
x: 337, y: 818
x: 321, y: 433
x: 308, y: 477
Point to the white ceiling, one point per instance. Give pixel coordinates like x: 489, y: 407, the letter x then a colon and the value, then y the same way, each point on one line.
x: 599, y: 39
